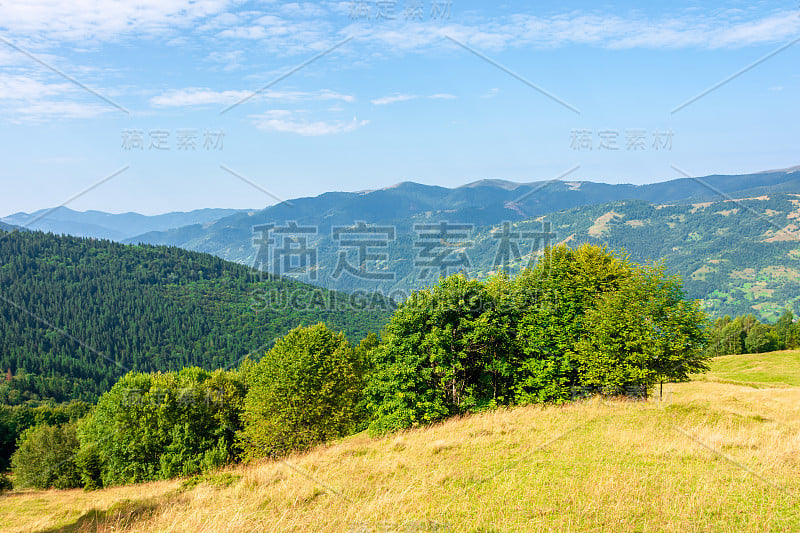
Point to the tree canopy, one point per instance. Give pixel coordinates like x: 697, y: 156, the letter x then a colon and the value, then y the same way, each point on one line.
x: 305, y: 390
x: 582, y: 317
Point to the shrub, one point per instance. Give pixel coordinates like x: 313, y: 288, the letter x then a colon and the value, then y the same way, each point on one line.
x: 158, y: 426
x: 304, y: 391
x: 46, y: 458
x: 5, y: 483
x: 15, y: 420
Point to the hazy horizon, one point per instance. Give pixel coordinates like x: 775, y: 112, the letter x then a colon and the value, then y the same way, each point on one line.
x: 144, y: 212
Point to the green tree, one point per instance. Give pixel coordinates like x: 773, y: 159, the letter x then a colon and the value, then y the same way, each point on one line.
x: 447, y: 350
x: 46, y: 458
x: 746, y: 334
x: 761, y: 338
x: 158, y: 426
x: 787, y: 330
x: 304, y: 391
x: 15, y: 420
x: 555, y: 298
x: 642, y: 333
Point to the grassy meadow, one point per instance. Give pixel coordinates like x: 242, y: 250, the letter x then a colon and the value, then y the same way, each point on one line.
x: 718, y: 454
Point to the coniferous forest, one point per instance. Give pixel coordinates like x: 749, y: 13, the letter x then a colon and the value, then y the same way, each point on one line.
x: 79, y: 313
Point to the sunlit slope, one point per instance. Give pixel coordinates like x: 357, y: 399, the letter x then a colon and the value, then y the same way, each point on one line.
x: 775, y: 369
x: 710, y: 456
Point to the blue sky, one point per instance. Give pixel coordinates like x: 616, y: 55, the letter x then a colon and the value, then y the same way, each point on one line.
x: 427, y: 91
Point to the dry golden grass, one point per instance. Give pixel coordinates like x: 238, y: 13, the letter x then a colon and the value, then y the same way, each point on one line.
x: 710, y: 457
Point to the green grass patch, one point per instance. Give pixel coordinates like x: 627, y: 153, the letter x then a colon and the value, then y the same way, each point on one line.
x: 213, y: 479
x: 774, y: 369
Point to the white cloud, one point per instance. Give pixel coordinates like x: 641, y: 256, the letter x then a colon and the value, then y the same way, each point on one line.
x: 280, y: 34
x: 299, y: 27
x: 285, y: 121
x: 711, y: 32
x: 20, y: 87
x: 46, y: 110
x: 386, y: 100
x: 231, y: 60
x: 393, y: 99
x: 307, y: 27
x: 197, y: 96
x: 303, y: 9
x: 244, y: 32
x: 723, y: 29
x: 28, y: 99
x: 102, y: 20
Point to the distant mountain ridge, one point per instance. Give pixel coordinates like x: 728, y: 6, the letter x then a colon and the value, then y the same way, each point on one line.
x: 730, y: 254
x: 736, y: 256
x: 8, y: 227
x: 482, y: 203
x: 115, y: 227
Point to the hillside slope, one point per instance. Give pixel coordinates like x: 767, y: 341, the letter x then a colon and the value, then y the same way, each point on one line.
x: 75, y: 314
x: 760, y: 370
x: 8, y: 227
x: 737, y: 256
x: 709, y: 457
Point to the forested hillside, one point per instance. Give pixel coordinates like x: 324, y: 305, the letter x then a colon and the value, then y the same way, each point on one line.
x: 738, y: 257
x: 7, y: 227
x: 76, y: 314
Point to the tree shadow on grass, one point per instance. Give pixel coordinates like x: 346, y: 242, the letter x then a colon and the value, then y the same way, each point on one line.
x: 124, y: 514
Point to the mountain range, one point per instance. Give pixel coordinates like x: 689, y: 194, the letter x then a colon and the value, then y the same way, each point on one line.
x: 482, y: 202
x: 115, y: 227
x: 678, y: 221
x: 738, y: 256
x: 8, y: 227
